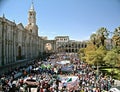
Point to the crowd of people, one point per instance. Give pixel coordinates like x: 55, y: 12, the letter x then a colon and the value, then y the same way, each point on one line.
x: 48, y: 79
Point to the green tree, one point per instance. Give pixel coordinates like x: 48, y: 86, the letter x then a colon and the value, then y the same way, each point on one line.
x: 118, y: 63
x: 90, y: 47
x: 83, y: 51
x: 101, y: 52
x: 81, y: 54
x: 117, y: 51
x: 90, y: 57
x: 111, y: 58
x: 116, y: 37
x: 95, y: 56
x: 93, y: 38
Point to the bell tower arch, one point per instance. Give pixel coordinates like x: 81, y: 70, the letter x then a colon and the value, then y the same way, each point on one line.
x: 31, y: 26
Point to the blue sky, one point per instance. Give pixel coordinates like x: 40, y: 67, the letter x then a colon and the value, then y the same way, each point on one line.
x: 75, y: 18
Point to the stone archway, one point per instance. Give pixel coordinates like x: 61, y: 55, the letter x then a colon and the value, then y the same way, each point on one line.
x: 48, y: 47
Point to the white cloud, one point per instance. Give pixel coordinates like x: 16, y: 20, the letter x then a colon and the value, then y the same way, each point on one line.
x: 93, y: 32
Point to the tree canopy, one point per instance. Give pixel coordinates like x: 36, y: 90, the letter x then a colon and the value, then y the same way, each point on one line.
x: 96, y: 51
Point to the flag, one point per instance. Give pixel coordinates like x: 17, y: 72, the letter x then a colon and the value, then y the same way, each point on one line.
x: 69, y: 80
x: 43, y: 66
x: 48, y: 66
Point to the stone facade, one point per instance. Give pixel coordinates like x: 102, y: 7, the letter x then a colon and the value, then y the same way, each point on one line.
x: 64, y: 44
x: 18, y: 42
x: 60, y: 40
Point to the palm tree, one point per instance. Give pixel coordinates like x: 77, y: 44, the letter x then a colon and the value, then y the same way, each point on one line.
x: 93, y: 38
x: 116, y: 37
x: 102, y: 34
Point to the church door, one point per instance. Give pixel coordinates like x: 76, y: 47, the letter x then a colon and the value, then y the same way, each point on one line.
x: 19, y: 52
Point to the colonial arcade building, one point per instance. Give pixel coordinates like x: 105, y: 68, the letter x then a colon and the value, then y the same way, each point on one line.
x: 64, y: 44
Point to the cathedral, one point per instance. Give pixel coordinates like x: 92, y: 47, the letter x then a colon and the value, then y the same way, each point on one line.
x: 19, y: 43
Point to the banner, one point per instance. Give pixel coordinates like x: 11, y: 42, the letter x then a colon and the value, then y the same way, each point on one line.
x: 72, y: 82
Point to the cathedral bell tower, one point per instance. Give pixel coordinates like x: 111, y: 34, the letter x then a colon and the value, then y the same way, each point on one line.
x: 31, y: 26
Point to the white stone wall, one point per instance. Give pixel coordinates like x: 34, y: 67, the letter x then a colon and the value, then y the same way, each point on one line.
x: 15, y: 36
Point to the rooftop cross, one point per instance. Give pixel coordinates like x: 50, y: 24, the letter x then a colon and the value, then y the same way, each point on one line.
x: 32, y: 6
